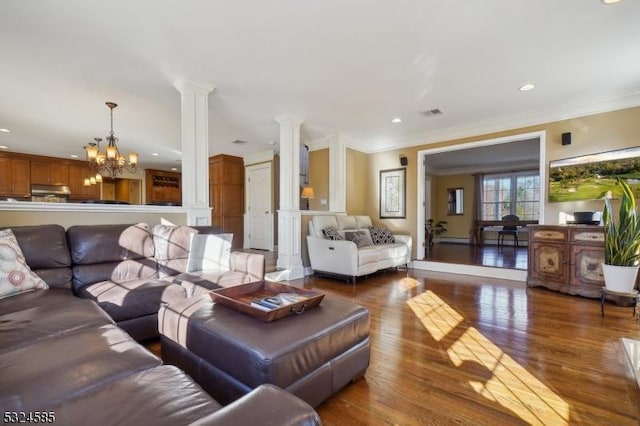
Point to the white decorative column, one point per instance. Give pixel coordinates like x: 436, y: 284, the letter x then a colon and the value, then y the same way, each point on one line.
x: 289, y: 222
x: 337, y: 175
x: 194, y: 101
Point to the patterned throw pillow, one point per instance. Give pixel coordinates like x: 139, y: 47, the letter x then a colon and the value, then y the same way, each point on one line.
x: 361, y: 238
x: 15, y: 275
x: 381, y: 236
x: 331, y: 233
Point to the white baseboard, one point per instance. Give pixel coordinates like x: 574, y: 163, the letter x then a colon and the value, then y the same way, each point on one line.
x: 480, y: 271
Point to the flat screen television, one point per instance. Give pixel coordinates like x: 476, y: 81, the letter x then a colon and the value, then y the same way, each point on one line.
x: 592, y: 177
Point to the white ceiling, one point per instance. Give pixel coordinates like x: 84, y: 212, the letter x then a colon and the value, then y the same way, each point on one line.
x: 349, y: 67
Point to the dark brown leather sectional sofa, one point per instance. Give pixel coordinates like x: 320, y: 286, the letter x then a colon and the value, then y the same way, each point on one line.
x: 69, y: 357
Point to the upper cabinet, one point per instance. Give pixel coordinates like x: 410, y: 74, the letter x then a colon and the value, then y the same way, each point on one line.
x: 49, y: 173
x: 77, y: 174
x: 14, y: 177
x: 163, y: 187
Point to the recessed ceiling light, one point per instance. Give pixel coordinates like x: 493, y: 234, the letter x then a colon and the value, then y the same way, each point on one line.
x: 155, y: 154
x: 5, y: 130
x: 4, y: 147
x: 396, y: 120
x: 73, y: 156
x: 610, y: 1
x: 272, y: 142
x: 527, y: 87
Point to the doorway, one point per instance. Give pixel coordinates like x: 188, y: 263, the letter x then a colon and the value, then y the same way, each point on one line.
x: 259, y: 214
x: 425, y: 182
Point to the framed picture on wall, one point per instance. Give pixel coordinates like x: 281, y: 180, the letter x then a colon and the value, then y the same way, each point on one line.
x: 393, y: 194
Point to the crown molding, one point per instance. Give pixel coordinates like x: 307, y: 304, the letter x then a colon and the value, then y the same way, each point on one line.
x: 259, y: 157
x: 514, y: 121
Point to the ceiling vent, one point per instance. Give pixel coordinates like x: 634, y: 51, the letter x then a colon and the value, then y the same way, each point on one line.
x: 239, y: 142
x: 431, y: 112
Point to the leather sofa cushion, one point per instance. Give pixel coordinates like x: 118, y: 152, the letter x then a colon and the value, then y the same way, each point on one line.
x: 321, y: 222
x: 46, y: 252
x: 255, y: 352
x: 172, y: 246
x: 43, y: 375
x: 172, y: 242
x: 43, y: 246
x: 133, y: 298
x: 126, y: 270
x: 159, y: 396
x: 346, y: 222
x: 91, y: 244
x: 43, y: 314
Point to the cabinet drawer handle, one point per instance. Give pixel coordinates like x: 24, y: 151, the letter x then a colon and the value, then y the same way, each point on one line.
x: 332, y: 248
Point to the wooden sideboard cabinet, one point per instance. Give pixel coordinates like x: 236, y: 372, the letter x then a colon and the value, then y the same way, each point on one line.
x: 567, y: 258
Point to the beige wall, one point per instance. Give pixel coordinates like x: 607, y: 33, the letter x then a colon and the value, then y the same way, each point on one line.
x: 319, y: 178
x: 590, y: 134
x: 358, y: 182
x: 67, y: 219
x: 458, y: 226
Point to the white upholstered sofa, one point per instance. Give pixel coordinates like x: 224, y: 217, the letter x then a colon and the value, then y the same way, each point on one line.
x: 344, y: 257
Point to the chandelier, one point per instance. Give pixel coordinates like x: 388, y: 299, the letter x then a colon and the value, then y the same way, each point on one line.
x: 110, y: 161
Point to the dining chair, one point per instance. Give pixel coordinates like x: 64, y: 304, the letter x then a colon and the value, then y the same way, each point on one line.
x: 511, y: 229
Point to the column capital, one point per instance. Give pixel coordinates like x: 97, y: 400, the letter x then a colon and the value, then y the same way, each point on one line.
x: 185, y: 84
x: 289, y: 119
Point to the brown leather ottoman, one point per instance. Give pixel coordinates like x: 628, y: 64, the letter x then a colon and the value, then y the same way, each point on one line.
x: 229, y: 353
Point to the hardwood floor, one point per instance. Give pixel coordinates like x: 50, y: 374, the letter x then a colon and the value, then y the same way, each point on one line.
x: 455, y: 349
x: 506, y: 256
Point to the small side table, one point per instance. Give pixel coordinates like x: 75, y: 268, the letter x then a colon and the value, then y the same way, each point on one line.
x: 635, y: 295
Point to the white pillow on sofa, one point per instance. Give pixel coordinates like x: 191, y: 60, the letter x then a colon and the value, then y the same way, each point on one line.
x: 15, y: 275
x: 209, y: 252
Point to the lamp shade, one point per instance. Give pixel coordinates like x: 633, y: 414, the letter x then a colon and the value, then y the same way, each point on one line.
x: 307, y: 192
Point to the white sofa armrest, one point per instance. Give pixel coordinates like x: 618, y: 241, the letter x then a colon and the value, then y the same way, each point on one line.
x: 338, y: 257
x: 406, y: 239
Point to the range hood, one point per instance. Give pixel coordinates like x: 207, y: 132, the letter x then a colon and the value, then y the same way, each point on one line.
x: 50, y: 190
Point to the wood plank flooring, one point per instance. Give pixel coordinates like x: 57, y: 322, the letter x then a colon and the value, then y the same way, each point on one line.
x: 464, y: 350
x: 454, y: 349
x: 506, y: 256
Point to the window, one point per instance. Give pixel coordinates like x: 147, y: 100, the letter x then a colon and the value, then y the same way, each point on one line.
x: 511, y: 193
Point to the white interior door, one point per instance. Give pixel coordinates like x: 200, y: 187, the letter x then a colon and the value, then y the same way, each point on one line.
x: 259, y: 216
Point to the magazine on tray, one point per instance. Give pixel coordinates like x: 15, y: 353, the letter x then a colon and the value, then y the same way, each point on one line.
x: 278, y: 301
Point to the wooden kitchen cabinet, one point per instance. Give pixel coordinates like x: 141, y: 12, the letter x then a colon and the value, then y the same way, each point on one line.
x: 14, y: 177
x: 49, y: 173
x: 79, y: 192
x: 567, y: 258
x: 226, y: 195
x: 163, y: 187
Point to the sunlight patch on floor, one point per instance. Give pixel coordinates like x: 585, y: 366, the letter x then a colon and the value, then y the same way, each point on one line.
x: 408, y: 283
x: 438, y: 317
x: 507, y: 383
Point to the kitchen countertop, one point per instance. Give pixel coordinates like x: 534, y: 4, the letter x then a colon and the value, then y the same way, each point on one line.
x: 93, y: 207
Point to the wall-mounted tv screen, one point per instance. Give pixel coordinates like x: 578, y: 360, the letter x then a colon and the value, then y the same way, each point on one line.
x: 592, y: 177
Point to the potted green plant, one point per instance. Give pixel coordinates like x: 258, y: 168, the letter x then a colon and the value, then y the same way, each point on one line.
x: 621, y: 242
x: 434, y: 229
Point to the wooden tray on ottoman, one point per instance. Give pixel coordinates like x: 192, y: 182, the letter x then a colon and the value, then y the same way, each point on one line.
x: 240, y: 297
